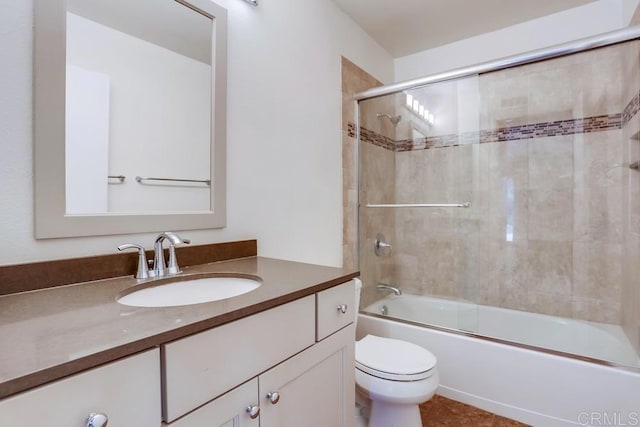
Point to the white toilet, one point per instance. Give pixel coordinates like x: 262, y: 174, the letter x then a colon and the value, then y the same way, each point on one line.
x: 393, y: 377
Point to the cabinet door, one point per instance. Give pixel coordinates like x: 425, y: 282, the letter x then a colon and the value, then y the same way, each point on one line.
x: 203, y: 366
x: 127, y: 391
x: 315, y: 388
x: 228, y: 410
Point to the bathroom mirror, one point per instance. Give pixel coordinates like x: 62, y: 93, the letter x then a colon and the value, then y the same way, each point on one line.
x: 130, y: 116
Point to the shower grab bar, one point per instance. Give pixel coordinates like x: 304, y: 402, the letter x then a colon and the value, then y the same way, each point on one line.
x: 147, y: 178
x: 420, y: 205
x: 120, y: 178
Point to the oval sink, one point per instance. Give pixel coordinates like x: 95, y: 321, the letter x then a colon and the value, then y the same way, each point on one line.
x: 190, y: 291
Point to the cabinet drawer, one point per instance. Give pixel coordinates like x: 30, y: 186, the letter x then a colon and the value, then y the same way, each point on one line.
x: 330, y: 305
x: 230, y: 409
x: 127, y: 391
x: 200, y: 367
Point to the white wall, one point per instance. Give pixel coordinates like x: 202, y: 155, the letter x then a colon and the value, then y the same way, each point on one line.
x: 284, y: 137
x: 584, y: 21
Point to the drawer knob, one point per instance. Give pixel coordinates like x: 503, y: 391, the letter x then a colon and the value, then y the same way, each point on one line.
x: 342, y: 308
x: 97, y: 419
x: 253, y: 411
x: 273, y: 396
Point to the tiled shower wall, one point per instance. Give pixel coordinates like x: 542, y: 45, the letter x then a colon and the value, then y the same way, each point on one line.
x: 631, y: 199
x: 542, y: 153
x: 379, y: 180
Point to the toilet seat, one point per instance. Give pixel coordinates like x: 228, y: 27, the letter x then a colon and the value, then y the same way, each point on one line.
x: 392, y: 359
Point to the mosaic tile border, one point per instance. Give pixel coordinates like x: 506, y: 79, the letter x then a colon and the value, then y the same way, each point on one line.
x: 631, y: 109
x: 372, y: 137
x: 512, y: 133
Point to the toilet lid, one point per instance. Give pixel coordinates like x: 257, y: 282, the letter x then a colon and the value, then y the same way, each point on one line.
x: 393, y: 359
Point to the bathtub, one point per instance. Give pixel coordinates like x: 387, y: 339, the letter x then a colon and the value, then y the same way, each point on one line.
x: 540, y: 388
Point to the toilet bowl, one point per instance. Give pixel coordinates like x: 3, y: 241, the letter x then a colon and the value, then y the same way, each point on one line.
x: 393, y: 378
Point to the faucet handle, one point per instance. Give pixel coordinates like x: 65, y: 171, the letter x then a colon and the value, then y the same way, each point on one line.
x: 143, y: 270
x: 173, y: 267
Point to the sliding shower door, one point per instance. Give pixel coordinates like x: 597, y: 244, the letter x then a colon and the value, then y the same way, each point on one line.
x: 419, y: 188
x: 507, y: 204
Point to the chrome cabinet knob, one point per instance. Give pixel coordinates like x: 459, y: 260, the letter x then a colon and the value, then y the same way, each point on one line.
x: 273, y: 396
x: 97, y: 419
x: 342, y: 308
x: 253, y: 411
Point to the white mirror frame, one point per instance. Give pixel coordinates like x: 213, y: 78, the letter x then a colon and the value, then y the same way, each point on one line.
x: 51, y: 219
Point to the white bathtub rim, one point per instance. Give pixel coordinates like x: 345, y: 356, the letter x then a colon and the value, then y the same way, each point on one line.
x: 514, y: 344
x: 555, y: 352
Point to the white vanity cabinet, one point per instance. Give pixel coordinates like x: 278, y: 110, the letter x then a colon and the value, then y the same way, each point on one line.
x: 288, y: 366
x: 292, y: 375
x: 127, y: 391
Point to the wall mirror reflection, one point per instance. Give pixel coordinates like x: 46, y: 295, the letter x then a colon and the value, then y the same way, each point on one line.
x: 130, y: 116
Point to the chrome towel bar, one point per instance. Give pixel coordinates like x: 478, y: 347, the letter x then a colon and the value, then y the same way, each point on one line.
x: 147, y: 178
x: 420, y: 205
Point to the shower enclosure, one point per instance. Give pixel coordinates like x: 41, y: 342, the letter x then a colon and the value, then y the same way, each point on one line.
x: 510, y: 197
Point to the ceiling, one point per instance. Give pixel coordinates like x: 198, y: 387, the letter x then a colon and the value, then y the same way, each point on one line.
x: 404, y: 27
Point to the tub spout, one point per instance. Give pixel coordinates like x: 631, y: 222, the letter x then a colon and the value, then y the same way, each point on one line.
x: 384, y: 287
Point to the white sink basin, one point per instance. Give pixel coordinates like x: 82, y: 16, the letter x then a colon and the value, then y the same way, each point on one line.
x: 193, y: 291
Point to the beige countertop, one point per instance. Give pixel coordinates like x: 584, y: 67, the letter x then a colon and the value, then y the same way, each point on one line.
x: 52, y: 333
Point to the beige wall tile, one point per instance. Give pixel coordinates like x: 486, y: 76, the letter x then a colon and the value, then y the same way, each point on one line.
x: 551, y: 94
x: 550, y: 162
x: 596, y: 310
x: 549, y: 267
x: 630, y: 54
x: 631, y: 291
x: 597, y: 83
x: 504, y: 98
x: 633, y: 190
x: 550, y: 213
x: 508, y: 181
x: 549, y: 303
x: 597, y: 277
x: 598, y: 187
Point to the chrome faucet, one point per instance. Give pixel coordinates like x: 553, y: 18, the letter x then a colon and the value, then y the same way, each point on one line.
x: 384, y: 287
x: 160, y: 268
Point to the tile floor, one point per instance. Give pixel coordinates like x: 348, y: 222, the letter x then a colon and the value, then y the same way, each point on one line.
x: 443, y: 412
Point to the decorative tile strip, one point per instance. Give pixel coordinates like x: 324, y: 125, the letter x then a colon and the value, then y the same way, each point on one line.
x: 555, y: 128
x: 631, y: 109
x: 372, y: 137
x: 512, y: 133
